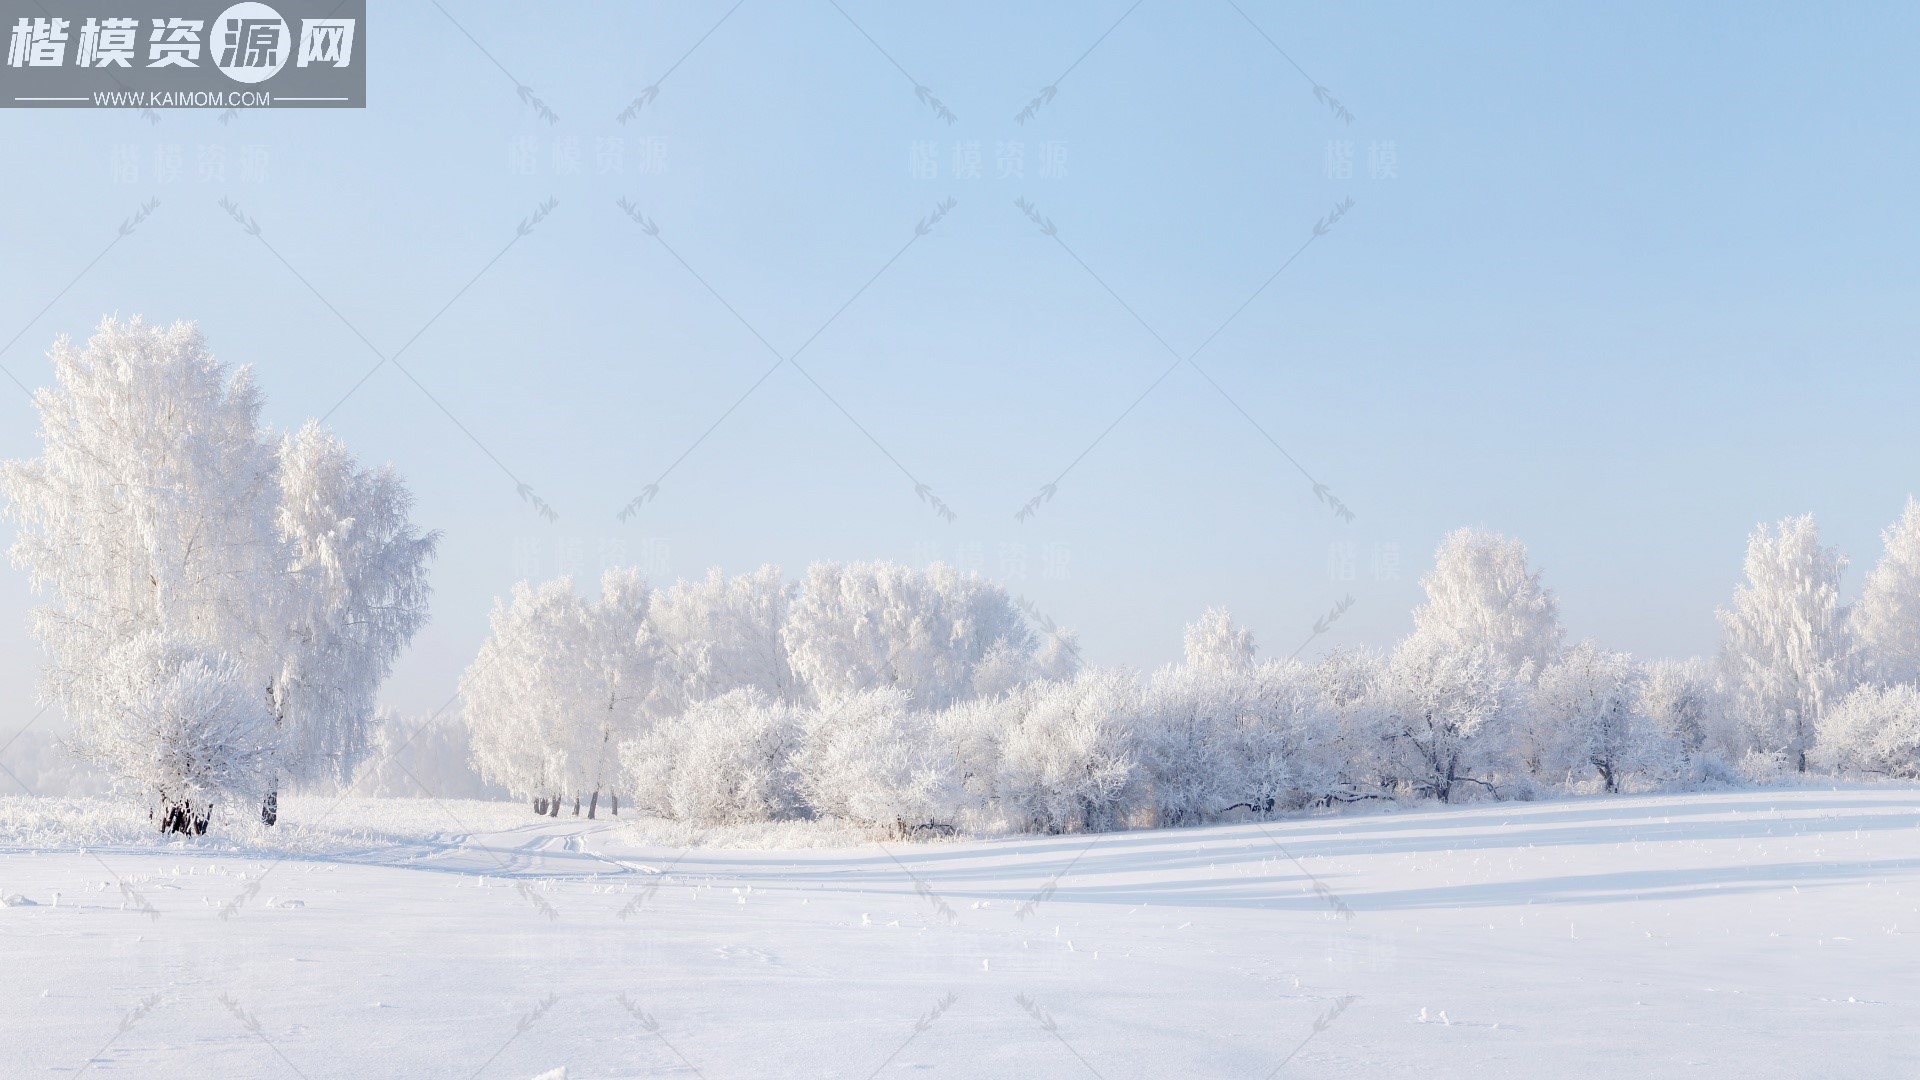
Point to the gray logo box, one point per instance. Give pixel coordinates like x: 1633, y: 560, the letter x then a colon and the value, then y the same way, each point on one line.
x: 161, y: 54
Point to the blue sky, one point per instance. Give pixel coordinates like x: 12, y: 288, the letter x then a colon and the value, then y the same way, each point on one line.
x: 1640, y: 278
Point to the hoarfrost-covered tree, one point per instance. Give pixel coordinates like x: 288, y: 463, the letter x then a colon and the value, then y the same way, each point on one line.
x: 158, y: 508
x: 1682, y: 701
x: 618, y: 673
x: 1482, y: 594
x: 721, y: 634
x: 1588, y: 701
x: 558, y: 687
x: 1215, y: 645
x: 520, y: 693
x: 1785, y: 646
x: 1210, y: 742
x: 1875, y: 729
x: 1442, y: 714
x: 1886, y: 620
x: 355, y: 592
x: 864, y: 626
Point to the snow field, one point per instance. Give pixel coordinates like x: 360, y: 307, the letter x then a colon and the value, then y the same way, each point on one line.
x: 1751, y: 932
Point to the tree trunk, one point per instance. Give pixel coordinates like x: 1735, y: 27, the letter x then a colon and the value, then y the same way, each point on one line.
x: 184, y: 818
x: 269, y: 810
x: 576, y: 806
x: 539, y: 807
x: 592, y: 806
x: 616, y: 804
x: 553, y: 808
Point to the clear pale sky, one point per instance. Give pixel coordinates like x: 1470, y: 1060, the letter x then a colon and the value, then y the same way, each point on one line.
x: 1638, y: 278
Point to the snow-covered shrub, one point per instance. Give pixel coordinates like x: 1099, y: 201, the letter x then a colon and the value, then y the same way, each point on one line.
x: 975, y: 733
x: 192, y: 730
x: 1189, y: 718
x: 1443, y: 716
x: 1348, y: 687
x: 1288, y: 750
x: 1875, y: 729
x: 725, y: 761
x: 874, y: 760
x: 1588, y: 705
x: 1068, y: 761
x: 1211, y: 740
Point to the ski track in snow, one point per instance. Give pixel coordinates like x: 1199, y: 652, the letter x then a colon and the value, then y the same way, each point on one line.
x: 1757, y: 932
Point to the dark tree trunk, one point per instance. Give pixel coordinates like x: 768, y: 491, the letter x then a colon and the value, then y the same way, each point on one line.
x: 539, y: 807
x: 184, y: 818
x: 593, y: 805
x: 616, y: 804
x: 553, y: 808
x: 270, y: 810
x: 576, y: 806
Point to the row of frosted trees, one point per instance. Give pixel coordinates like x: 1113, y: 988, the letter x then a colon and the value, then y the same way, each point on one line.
x: 566, y: 689
x: 919, y: 702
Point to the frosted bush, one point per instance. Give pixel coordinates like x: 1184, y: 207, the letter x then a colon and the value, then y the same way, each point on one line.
x: 1068, y: 761
x: 1875, y: 729
x: 192, y: 730
x: 723, y: 762
x: 877, y: 762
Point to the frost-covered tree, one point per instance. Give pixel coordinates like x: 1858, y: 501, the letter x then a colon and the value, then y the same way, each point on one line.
x: 720, y: 634
x: 1211, y: 741
x: 558, y: 686
x: 1886, y: 620
x: 725, y: 761
x: 874, y: 760
x: 158, y: 508
x: 520, y: 694
x: 1684, y: 703
x: 1349, y: 687
x: 1588, y: 702
x: 1784, y: 644
x: 1441, y: 714
x: 1214, y: 644
x: 354, y: 592
x: 1481, y: 594
x: 864, y: 626
x: 1874, y: 729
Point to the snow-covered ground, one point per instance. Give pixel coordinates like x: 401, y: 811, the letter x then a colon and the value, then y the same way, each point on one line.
x: 1752, y: 933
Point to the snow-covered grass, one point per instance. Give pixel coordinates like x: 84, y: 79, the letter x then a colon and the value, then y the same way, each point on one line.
x: 1758, y: 932
x: 309, y: 825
